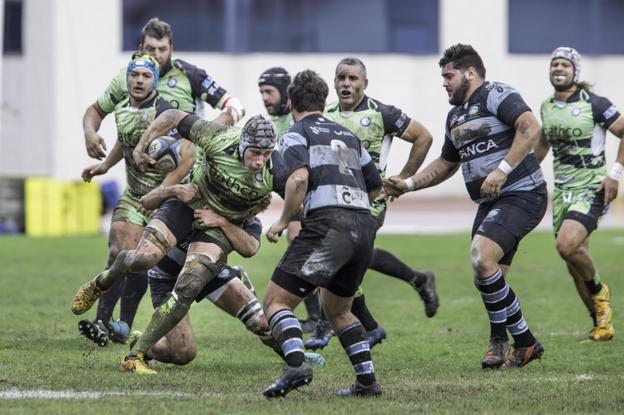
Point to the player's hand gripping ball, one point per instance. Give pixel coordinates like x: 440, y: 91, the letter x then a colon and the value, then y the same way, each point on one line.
x: 166, y: 152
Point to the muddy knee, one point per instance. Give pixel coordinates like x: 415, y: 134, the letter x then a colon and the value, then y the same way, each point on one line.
x: 198, y: 270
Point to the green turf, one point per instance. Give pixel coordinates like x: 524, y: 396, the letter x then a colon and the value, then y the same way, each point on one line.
x: 425, y: 365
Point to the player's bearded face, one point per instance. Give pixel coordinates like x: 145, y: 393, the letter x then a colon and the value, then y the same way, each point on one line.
x: 271, y: 99
x: 350, y: 83
x: 561, y: 74
x: 159, y: 49
x: 456, y: 84
x: 140, y: 81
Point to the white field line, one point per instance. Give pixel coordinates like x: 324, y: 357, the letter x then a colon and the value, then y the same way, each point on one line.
x: 13, y: 394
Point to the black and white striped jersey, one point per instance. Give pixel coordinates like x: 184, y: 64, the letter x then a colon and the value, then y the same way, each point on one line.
x: 341, y: 172
x: 479, y: 134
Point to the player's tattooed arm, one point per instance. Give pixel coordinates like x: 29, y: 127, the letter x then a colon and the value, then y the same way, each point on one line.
x: 421, y: 140
x: 162, y: 125
x: 205, y: 130
x: 435, y: 173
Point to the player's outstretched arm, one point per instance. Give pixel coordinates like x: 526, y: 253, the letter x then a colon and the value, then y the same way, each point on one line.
x: 91, y: 121
x: 421, y: 140
x: 114, y: 157
x: 435, y: 173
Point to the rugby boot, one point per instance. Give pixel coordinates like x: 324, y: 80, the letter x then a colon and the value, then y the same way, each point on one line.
x: 244, y: 277
x: 314, y: 359
x: 86, y: 296
x: 118, y: 331
x: 375, y: 336
x: 496, y: 352
x: 521, y: 356
x: 136, y: 365
x: 428, y: 294
x: 292, y: 378
x: 308, y: 325
x: 357, y: 389
x: 321, y: 336
x: 602, y: 307
x: 96, y: 331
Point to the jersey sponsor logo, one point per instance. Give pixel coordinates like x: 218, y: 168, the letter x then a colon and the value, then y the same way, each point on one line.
x: 350, y: 196
x: 209, y: 85
x: 477, y: 148
x: 318, y: 130
x: 345, y: 133
x: 401, y: 121
x: 473, y: 110
x: 558, y: 132
x: 609, y: 112
x: 365, y: 121
x: 172, y: 82
x: 218, y: 178
x: 576, y: 111
x: 259, y: 178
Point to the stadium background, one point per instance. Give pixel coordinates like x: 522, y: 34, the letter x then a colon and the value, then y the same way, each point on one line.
x: 59, y: 55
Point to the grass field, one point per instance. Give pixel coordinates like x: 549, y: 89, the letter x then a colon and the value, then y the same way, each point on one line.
x: 425, y: 365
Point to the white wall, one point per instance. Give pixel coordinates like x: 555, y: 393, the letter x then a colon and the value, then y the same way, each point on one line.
x: 73, y: 50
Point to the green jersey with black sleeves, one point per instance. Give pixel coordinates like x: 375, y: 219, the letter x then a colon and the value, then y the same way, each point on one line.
x: 225, y: 185
x: 576, y: 131
x: 181, y: 85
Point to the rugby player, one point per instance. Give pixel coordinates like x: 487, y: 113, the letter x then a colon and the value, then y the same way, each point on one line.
x: 490, y: 133
x: 330, y: 172
x: 185, y: 87
x: 273, y: 85
x: 376, y: 124
x: 133, y: 114
x: 574, y: 123
x: 233, y: 179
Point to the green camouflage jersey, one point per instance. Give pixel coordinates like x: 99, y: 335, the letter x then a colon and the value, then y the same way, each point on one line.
x: 131, y: 123
x: 374, y: 123
x: 576, y: 131
x: 181, y: 85
x: 225, y: 185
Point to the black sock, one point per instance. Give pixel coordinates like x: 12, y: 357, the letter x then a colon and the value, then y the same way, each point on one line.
x: 360, y: 310
x: 108, y: 300
x: 136, y: 286
x: 593, y: 287
x: 493, y: 297
x: 355, y: 344
x: 287, y: 332
x: 313, y: 306
x: 386, y: 263
x: 503, y: 306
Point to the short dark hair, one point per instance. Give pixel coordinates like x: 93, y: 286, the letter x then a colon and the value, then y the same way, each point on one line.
x: 157, y: 29
x: 463, y: 57
x: 351, y: 61
x: 308, y: 92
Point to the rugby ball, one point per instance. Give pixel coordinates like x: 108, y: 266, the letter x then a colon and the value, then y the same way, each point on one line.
x: 166, y: 151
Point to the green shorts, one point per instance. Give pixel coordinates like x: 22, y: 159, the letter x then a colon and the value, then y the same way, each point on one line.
x: 585, y: 206
x: 129, y: 210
